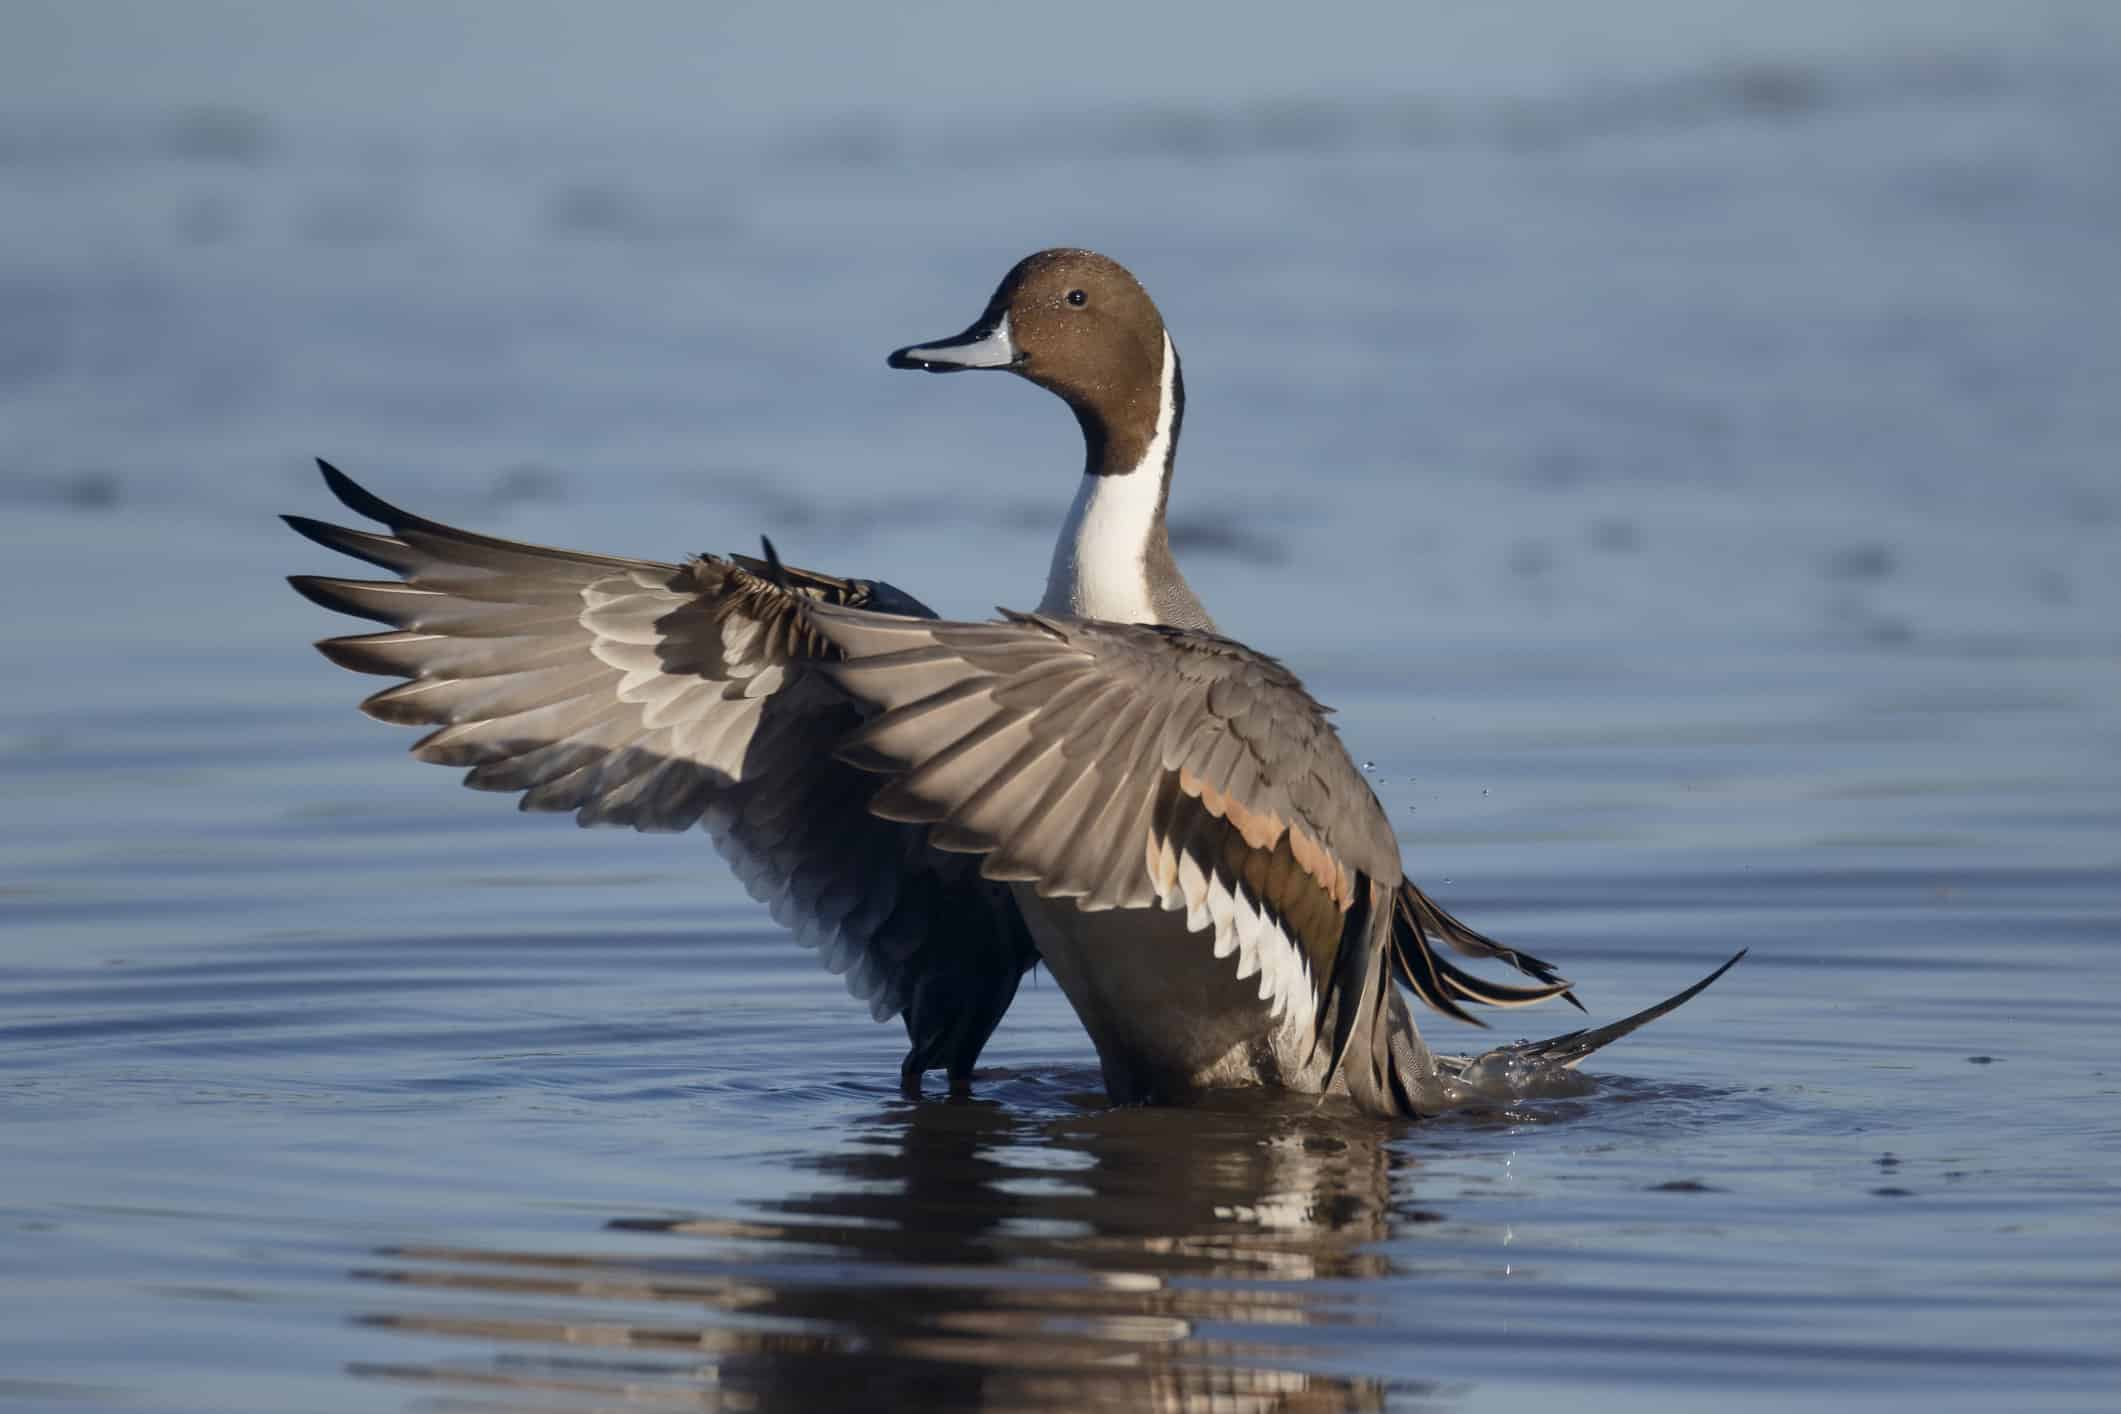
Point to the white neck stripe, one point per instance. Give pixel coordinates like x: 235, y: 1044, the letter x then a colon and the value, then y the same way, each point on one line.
x: 1101, y: 561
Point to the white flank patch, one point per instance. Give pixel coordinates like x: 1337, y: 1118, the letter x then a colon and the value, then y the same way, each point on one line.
x: 1101, y: 561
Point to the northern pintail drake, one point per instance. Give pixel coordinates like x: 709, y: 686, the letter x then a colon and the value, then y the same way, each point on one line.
x: 1162, y: 816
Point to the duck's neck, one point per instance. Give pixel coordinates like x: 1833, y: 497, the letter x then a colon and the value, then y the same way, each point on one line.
x: 1113, y: 559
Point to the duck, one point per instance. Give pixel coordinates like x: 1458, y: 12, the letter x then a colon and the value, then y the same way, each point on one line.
x: 1105, y: 785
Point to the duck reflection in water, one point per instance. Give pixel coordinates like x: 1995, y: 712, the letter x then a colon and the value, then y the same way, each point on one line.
x: 960, y: 1255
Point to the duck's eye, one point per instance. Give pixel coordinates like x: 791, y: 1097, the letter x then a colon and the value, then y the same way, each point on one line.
x: 1078, y: 298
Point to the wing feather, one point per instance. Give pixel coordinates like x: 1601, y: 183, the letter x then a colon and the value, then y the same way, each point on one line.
x: 660, y: 696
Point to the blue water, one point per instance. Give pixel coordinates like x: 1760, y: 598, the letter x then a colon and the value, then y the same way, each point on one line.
x: 1689, y: 466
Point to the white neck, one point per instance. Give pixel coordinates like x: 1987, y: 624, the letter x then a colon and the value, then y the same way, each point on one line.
x: 1101, y: 561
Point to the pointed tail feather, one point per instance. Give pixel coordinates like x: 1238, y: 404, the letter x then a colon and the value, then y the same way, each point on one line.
x: 1568, y: 1049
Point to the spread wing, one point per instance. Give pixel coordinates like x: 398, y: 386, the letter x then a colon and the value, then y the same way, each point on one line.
x: 1126, y: 766
x: 661, y: 696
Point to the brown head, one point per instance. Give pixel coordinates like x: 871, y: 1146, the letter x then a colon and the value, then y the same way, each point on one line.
x: 1076, y: 323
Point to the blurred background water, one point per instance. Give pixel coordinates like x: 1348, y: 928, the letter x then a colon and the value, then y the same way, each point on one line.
x: 1707, y: 414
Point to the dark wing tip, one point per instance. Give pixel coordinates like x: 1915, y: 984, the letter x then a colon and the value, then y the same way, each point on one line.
x: 776, y: 572
x: 313, y: 588
x: 367, y: 546
x: 356, y: 654
x: 359, y: 499
x: 345, y: 596
x: 309, y: 528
